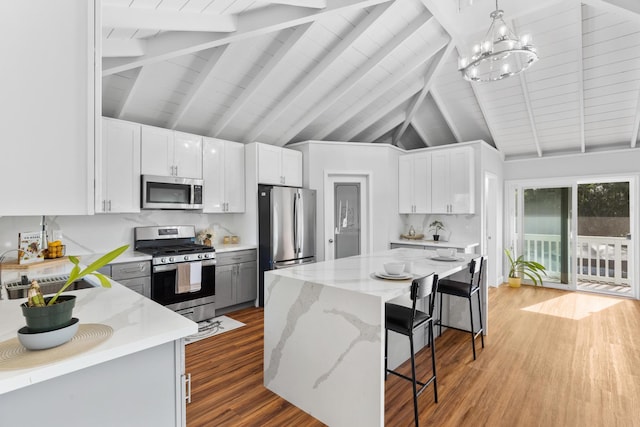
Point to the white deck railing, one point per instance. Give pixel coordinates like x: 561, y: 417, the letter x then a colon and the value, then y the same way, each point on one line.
x: 598, y: 259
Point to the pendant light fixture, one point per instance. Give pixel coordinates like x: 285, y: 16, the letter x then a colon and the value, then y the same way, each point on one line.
x: 501, y: 53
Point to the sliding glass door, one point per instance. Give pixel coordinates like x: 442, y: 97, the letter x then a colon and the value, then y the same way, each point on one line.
x: 604, y: 237
x: 547, y: 231
x: 580, y: 230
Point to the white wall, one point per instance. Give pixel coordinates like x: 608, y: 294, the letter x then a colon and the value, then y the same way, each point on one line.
x: 588, y: 164
x: 380, y: 160
x: 101, y: 233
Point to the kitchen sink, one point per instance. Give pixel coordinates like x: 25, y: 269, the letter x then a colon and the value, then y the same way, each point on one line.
x: 48, y: 285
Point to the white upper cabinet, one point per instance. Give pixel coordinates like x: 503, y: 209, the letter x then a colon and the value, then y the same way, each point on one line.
x: 452, y: 185
x: 414, y: 183
x: 187, y: 155
x: 438, y: 181
x: 279, y: 166
x: 291, y: 167
x: 118, y: 167
x: 50, y: 72
x: 170, y: 153
x: 223, y: 172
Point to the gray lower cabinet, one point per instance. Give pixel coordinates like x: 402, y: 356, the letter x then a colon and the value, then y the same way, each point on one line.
x: 236, y: 278
x: 134, y: 275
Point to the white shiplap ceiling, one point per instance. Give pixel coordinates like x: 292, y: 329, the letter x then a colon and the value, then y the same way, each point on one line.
x: 283, y: 71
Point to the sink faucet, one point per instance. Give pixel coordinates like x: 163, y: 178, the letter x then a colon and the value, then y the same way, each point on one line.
x: 4, y: 295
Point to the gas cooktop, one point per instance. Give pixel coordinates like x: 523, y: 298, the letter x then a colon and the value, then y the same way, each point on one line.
x: 171, y: 244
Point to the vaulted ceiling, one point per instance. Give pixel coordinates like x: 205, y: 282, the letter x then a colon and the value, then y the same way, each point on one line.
x: 282, y: 71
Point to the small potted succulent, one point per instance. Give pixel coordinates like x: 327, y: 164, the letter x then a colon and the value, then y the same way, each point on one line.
x: 436, y: 226
x: 43, y: 314
x: 521, y: 268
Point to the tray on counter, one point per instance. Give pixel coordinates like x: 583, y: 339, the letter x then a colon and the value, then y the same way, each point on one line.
x: 13, y: 265
x: 415, y: 237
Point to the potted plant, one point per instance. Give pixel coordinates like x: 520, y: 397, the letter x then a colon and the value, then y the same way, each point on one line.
x: 51, y: 313
x: 436, y: 226
x: 521, y: 268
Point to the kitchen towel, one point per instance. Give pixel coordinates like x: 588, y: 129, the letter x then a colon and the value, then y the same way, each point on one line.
x: 195, y: 280
x: 183, y: 279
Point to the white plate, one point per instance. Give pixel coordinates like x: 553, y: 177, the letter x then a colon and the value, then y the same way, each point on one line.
x: 383, y: 275
x: 446, y: 258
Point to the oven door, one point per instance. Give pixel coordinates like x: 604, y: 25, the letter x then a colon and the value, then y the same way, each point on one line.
x: 164, y: 281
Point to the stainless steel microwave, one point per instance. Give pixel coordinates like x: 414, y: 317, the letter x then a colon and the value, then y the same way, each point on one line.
x: 170, y: 192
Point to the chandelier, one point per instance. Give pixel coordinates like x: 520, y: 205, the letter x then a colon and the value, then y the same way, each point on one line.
x: 500, y: 54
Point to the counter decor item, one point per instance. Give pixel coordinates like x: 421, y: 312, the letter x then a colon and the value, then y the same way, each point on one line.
x: 43, y: 315
x: 521, y: 268
x: 30, y: 248
x: 414, y: 237
x: 436, y: 226
x: 206, y: 236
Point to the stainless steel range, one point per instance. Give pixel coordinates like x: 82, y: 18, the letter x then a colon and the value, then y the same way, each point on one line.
x: 183, y: 272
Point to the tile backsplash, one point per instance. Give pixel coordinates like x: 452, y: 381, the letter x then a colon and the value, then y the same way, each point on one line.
x: 101, y: 233
x: 459, y: 228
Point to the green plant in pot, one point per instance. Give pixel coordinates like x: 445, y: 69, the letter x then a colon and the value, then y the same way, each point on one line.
x: 51, y: 313
x: 521, y: 268
x: 436, y: 226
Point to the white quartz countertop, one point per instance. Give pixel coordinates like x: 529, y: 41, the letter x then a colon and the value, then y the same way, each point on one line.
x: 233, y: 248
x: 138, y: 323
x: 357, y: 273
x: 444, y: 244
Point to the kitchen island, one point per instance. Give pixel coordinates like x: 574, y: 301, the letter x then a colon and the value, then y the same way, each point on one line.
x: 324, y: 332
x: 132, y: 375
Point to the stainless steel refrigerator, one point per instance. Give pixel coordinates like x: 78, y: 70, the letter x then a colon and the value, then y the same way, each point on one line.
x: 286, y: 229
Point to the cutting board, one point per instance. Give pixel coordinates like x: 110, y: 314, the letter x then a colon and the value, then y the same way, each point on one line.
x: 13, y: 265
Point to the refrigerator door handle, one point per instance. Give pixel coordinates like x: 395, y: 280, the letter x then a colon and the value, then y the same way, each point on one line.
x: 295, y: 223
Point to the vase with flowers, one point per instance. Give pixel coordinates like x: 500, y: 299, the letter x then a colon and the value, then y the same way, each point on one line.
x: 206, y: 237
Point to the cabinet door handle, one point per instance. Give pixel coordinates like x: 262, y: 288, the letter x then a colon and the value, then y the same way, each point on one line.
x: 176, y: 170
x: 103, y: 205
x: 187, y: 383
x: 109, y: 205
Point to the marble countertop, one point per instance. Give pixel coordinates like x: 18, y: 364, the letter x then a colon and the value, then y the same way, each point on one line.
x: 448, y: 244
x: 232, y: 248
x: 357, y: 273
x: 138, y: 323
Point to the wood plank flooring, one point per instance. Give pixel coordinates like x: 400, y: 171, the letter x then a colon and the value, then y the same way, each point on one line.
x: 552, y: 358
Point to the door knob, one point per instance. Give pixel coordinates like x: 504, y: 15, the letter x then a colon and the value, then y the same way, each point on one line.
x: 330, y: 240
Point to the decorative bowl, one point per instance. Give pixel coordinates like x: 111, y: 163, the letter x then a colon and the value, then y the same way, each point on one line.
x: 394, y: 268
x: 43, y: 340
x: 446, y: 253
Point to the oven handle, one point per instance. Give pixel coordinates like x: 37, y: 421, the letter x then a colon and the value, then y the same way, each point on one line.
x: 170, y: 267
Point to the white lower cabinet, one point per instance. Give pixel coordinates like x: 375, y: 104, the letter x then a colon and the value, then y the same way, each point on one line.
x: 223, y: 173
x: 236, y: 278
x: 118, y: 168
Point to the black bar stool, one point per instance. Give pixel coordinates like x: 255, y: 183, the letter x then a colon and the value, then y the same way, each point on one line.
x: 405, y: 321
x: 465, y: 290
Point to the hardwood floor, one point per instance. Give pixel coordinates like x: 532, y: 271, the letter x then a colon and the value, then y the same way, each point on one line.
x: 552, y: 358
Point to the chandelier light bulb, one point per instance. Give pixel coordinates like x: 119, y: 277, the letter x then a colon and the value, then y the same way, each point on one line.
x: 503, y: 30
x: 525, y: 39
x: 505, y: 68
